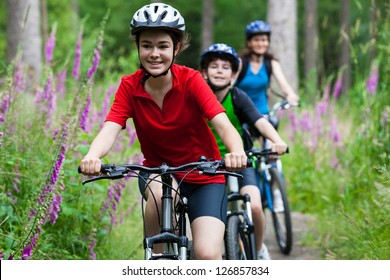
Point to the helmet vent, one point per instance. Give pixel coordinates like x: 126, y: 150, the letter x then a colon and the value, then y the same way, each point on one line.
x: 163, y: 15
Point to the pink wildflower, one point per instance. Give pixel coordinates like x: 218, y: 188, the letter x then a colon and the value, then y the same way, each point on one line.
x: 85, y: 113
x: 372, y: 82
x: 76, y: 64
x: 49, y: 47
x: 61, y: 76
x: 337, y: 87
x: 96, y: 58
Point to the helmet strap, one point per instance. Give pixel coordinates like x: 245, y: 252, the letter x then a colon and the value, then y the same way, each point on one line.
x: 215, y: 88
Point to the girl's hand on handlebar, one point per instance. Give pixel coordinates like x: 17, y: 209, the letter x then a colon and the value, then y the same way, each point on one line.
x: 279, y: 147
x: 293, y: 99
x: 235, y: 161
x: 90, y: 166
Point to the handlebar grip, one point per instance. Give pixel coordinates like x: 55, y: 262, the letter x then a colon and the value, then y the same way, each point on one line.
x: 249, y: 163
x: 103, y: 168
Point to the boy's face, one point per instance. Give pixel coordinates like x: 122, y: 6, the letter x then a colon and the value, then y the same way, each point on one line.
x: 219, y: 72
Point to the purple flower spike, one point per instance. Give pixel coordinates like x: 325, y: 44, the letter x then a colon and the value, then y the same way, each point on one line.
x: 372, y: 82
x: 55, y: 208
x: 61, y: 82
x: 19, y: 81
x: 96, y: 58
x: 337, y: 87
x: 95, y: 63
x: 76, y: 64
x: 84, y: 115
x: 27, y: 252
x: 49, y: 47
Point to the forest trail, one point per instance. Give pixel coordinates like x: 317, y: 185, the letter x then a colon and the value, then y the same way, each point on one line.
x: 301, y: 225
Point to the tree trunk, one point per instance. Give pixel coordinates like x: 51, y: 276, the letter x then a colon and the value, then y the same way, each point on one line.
x: 345, y: 63
x: 207, y: 23
x: 45, y: 27
x: 282, y: 16
x: 373, y: 29
x: 311, y: 49
x: 23, y: 32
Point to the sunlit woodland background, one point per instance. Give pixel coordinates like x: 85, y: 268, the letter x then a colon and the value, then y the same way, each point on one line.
x: 60, y: 64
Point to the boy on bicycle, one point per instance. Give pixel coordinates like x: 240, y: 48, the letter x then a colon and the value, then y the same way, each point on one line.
x: 219, y: 65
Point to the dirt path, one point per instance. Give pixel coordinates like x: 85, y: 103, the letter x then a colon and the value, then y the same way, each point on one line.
x: 299, y: 252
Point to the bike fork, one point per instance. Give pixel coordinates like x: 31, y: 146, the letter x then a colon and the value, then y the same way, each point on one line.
x: 167, y: 235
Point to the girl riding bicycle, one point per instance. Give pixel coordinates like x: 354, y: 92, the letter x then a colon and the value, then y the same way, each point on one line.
x: 258, y: 65
x: 169, y: 105
x: 219, y: 64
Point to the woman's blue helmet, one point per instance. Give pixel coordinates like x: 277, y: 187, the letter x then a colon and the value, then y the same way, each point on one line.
x: 257, y: 27
x: 220, y: 50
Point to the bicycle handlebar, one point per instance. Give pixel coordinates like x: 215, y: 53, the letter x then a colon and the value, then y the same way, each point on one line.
x: 203, y: 166
x: 282, y: 105
x: 262, y: 152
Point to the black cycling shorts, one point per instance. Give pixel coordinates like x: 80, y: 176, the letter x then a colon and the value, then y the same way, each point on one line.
x: 251, y: 177
x: 203, y: 200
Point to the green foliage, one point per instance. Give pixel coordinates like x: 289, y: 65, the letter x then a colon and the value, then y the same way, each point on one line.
x: 34, y: 174
x: 3, y: 35
x: 350, y: 199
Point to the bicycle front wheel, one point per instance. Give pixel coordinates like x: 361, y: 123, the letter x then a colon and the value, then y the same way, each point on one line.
x: 281, y: 215
x: 239, y: 242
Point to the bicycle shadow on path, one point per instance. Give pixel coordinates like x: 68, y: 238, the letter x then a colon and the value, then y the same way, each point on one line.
x: 300, y: 225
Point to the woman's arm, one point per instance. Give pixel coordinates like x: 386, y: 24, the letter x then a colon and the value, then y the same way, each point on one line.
x: 236, y: 159
x: 267, y: 130
x: 285, y: 87
x: 100, y: 146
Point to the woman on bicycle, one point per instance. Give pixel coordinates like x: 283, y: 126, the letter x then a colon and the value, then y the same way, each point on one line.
x: 219, y: 64
x: 258, y: 65
x: 170, y: 105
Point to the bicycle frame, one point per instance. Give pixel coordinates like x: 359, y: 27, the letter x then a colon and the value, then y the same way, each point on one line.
x: 264, y: 177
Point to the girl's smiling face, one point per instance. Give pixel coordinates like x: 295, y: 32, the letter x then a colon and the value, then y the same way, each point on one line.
x: 156, y: 51
x: 259, y: 44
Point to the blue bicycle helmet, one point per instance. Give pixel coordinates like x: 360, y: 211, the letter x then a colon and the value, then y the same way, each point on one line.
x: 220, y: 50
x: 257, y: 27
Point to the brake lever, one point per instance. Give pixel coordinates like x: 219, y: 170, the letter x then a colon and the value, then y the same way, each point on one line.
x: 208, y: 168
x: 234, y: 174
x: 96, y: 179
x: 212, y: 169
x: 113, y: 172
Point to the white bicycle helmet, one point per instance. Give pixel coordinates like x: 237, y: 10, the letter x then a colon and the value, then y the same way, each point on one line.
x: 157, y: 15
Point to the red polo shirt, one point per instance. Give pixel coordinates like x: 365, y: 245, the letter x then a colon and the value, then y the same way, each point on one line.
x: 178, y: 133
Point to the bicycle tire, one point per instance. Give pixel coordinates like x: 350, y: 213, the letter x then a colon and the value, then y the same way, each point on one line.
x: 282, y: 218
x: 239, y: 245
